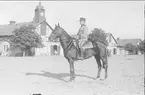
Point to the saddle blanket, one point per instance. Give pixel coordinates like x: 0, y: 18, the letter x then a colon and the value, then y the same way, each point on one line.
x: 88, y: 45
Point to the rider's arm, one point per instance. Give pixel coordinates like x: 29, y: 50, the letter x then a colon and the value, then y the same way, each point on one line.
x: 78, y: 32
x: 85, y: 34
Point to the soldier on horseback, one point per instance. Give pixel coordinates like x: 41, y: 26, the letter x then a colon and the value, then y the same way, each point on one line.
x: 83, y: 35
x: 99, y: 50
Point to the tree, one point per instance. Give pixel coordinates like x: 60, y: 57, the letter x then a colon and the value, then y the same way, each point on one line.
x: 25, y: 38
x: 100, y: 35
x: 141, y: 46
x: 130, y: 48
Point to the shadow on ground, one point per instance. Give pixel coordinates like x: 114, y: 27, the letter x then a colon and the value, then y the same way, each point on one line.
x: 58, y: 76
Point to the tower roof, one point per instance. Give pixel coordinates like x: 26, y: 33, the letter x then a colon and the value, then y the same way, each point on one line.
x: 39, y: 6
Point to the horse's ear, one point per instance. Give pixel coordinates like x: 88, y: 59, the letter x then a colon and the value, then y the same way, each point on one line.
x: 55, y: 25
x: 58, y: 25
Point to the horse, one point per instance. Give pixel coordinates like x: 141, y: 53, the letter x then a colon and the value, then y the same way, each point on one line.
x: 71, y: 51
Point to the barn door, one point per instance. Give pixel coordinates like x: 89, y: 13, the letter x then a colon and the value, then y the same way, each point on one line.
x: 114, y: 51
x: 51, y: 50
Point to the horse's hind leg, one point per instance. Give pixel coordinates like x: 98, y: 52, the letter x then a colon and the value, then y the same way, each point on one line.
x: 105, y: 66
x: 99, y: 65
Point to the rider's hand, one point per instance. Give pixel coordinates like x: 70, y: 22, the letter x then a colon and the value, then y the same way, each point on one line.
x: 76, y: 37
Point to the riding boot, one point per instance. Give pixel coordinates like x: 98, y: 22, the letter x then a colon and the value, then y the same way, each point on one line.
x: 81, y: 54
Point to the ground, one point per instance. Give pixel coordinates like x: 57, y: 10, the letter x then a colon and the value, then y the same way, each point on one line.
x: 49, y: 75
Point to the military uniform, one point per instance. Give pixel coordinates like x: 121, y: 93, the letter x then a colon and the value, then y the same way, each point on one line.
x: 83, y: 35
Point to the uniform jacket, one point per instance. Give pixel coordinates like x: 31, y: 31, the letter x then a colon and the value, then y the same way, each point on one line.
x: 83, y: 32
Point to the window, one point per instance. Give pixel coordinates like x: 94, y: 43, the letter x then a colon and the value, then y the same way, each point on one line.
x: 5, y: 47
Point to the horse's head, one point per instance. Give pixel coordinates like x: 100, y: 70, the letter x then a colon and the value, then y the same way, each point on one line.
x: 59, y: 32
x: 56, y: 33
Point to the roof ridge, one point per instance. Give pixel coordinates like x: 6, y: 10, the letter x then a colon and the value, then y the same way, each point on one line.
x: 16, y: 23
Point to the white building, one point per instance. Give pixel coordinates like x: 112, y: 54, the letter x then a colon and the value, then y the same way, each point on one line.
x: 50, y: 48
x: 112, y: 44
x: 123, y: 42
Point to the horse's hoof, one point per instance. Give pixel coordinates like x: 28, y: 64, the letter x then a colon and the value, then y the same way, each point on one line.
x: 97, y: 77
x: 102, y: 79
x: 72, y: 79
x: 105, y: 77
x: 94, y: 78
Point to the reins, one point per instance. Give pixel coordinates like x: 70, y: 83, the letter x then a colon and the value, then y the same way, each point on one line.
x: 70, y: 42
x: 69, y: 39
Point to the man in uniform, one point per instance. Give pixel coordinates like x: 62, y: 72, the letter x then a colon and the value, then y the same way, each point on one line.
x: 83, y: 35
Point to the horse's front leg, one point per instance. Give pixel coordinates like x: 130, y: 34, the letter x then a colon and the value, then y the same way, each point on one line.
x: 72, y: 72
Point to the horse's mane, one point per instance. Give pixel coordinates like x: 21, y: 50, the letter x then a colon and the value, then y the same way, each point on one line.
x: 65, y: 32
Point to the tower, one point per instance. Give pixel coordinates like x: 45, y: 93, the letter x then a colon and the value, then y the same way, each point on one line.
x: 40, y: 17
x: 39, y: 13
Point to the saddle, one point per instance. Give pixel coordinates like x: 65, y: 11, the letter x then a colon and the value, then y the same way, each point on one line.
x: 87, y: 44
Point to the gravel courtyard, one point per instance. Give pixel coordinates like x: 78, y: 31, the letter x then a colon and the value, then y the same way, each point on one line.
x: 49, y: 75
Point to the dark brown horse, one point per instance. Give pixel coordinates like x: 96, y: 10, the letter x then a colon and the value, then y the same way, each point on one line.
x: 71, y: 51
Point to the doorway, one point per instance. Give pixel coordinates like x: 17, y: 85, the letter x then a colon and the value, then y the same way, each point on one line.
x: 55, y: 50
x: 114, y: 51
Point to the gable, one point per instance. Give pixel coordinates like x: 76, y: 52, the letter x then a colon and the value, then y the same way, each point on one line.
x: 48, y: 31
x: 110, y: 38
x: 39, y: 27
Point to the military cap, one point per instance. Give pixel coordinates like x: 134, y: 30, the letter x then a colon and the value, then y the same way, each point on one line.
x: 82, y: 19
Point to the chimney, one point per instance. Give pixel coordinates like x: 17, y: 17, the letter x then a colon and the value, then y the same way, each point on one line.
x: 12, y: 22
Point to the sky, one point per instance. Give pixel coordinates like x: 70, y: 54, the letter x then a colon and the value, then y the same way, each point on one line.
x: 124, y: 19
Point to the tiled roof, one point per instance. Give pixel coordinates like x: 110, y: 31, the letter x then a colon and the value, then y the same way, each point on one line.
x: 123, y: 42
x: 6, y: 30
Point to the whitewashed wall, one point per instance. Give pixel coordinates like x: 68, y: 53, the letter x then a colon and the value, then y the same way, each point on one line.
x: 112, y: 45
x: 46, y: 50
x: 38, y: 29
x: 122, y: 51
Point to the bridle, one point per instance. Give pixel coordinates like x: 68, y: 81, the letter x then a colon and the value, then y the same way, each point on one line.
x: 69, y: 39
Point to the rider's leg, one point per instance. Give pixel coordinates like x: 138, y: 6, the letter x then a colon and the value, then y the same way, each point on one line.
x: 81, y: 51
x: 81, y: 47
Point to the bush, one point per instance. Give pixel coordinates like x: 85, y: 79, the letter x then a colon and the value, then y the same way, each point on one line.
x: 132, y: 49
x: 141, y: 46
